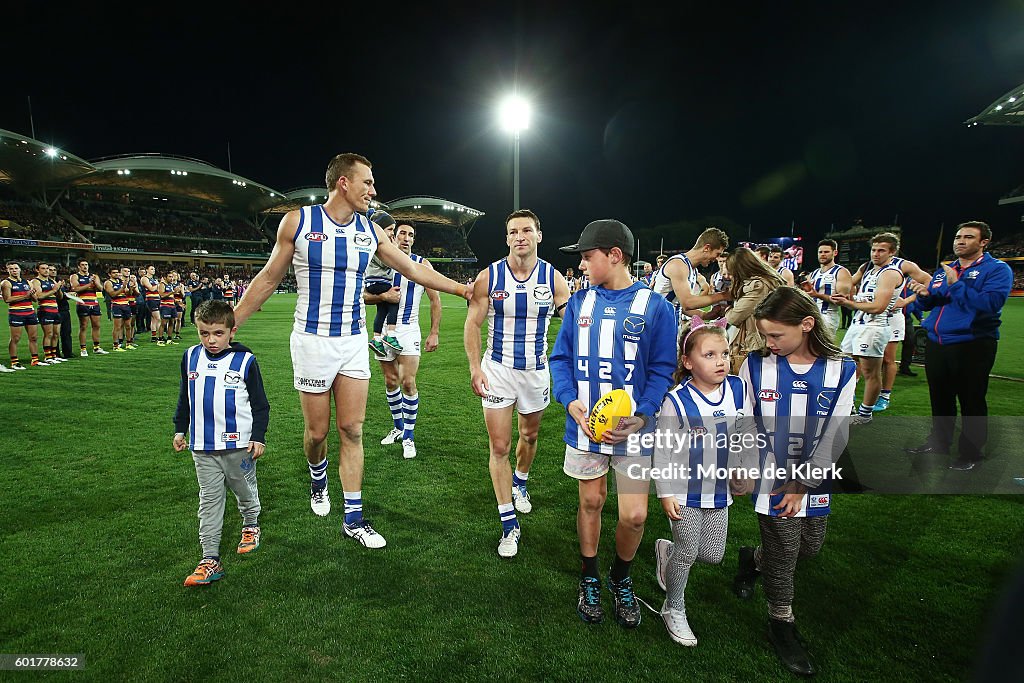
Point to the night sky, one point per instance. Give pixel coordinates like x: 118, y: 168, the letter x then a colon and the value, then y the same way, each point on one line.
x: 813, y: 114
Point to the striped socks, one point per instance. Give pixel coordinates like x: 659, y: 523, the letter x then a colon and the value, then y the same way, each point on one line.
x: 519, y: 478
x: 318, y: 475
x: 353, y: 507
x: 395, y: 406
x: 508, y: 517
x: 410, y: 406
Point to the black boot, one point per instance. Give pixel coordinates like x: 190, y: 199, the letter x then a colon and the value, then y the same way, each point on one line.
x: 746, y: 574
x: 790, y: 647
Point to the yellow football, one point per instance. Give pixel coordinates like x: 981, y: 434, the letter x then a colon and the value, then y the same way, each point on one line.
x: 608, y: 410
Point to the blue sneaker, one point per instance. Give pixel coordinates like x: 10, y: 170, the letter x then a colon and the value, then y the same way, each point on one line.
x: 881, y: 404
x: 589, y: 604
x: 627, y: 608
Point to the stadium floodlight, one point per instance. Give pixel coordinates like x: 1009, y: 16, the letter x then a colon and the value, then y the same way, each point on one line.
x: 514, y: 113
x: 51, y: 152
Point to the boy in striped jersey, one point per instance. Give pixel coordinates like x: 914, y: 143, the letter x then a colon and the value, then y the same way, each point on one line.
x: 617, y: 335
x: 800, y: 397
x: 518, y: 294
x: 330, y: 246
x: 224, y: 410
x: 400, y: 367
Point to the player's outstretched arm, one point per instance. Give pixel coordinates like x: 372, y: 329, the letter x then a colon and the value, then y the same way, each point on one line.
x: 471, y: 332
x: 678, y: 274
x: 915, y: 272
x: 391, y: 255
x: 267, y: 280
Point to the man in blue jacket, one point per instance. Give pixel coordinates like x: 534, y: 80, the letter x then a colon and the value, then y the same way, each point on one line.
x: 965, y: 298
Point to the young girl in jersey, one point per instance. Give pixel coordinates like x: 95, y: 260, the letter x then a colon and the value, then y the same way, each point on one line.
x: 800, y: 396
x: 702, y: 408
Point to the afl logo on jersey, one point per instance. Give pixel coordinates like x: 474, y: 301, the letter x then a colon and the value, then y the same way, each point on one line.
x: 699, y: 431
x: 362, y: 240
x: 769, y: 395
x: 316, y: 236
x: 193, y: 376
x: 499, y: 295
x: 584, y: 321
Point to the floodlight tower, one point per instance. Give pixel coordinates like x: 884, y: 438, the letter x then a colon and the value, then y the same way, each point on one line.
x: 514, y: 114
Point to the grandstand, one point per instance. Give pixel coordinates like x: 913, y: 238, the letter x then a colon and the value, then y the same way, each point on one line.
x: 140, y: 208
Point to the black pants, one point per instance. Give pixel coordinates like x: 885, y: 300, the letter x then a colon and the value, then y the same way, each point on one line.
x: 196, y: 300
x: 67, y: 347
x: 960, y: 372
x: 907, y: 351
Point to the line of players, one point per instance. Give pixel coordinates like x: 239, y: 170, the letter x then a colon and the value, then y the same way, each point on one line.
x: 141, y: 301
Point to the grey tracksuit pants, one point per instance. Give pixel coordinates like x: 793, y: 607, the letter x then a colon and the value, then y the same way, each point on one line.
x: 215, y: 469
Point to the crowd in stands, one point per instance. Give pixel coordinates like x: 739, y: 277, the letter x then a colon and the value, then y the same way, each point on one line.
x: 1010, y: 246
x: 441, y: 242
x: 34, y: 223
x: 1018, y: 276
x: 134, y: 218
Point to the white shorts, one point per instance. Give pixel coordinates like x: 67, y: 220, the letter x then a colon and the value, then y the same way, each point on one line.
x: 832, y: 319
x: 409, y: 337
x: 528, y: 390
x: 898, y: 323
x: 317, y: 360
x: 866, y: 340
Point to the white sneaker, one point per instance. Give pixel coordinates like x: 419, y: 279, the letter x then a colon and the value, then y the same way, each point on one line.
x: 662, y: 550
x: 365, y: 534
x: 101, y: 352
x: 18, y: 366
x: 4, y: 368
x: 319, y: 501
x: 393, y: 436
x: 58, y: 359
x: 521, y: 497
x: 508, y: 546
x: 41, y: 363
x: 677, y: 626
x: 861, y: 419
x: 408, y: 449
x: 84, y: 354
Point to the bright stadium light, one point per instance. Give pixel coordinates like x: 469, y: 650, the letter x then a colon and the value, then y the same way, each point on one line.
x: 51, y: 152
x: 514, y: 114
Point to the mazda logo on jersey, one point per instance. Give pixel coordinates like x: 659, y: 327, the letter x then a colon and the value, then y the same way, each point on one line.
x: 633, y: 324
x: 769, y: 395
x: 499, y: 295
x: 363, y: 240
x: 316, y: 236
x: 232, y: 378
x: 584, y: 321
x: 542, y: 293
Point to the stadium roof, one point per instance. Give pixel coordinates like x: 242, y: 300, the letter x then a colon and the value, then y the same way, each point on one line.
x: 436, y: 211
x: 28, y: 165
x: 174, y: 176
x: 1008, y: 110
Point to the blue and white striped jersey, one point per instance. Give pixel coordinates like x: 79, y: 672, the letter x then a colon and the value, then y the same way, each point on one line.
x: 705, y: 422
x: 804, y: 417
x: 613, y: 339
x: 663, y: 285
x: 330, y: 262
x: 408, y: 297
x: 221, y: 403
x: 868, y: 292
x: 824, y: 282
x: 518, y: 315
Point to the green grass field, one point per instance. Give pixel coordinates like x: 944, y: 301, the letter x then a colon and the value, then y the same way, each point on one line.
x: 100, y: 530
